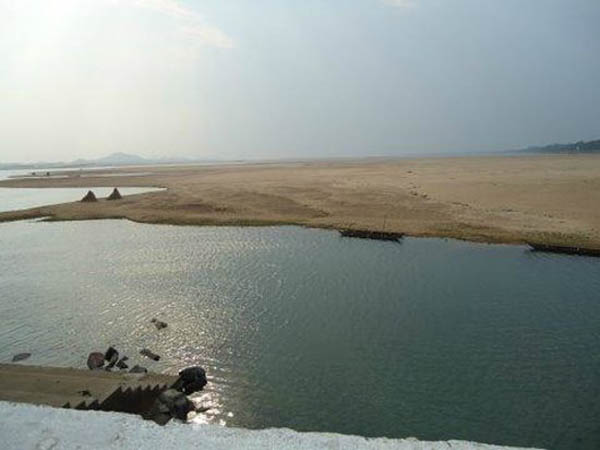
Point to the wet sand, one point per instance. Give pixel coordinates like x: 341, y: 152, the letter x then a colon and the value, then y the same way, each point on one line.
x: 546, y: 199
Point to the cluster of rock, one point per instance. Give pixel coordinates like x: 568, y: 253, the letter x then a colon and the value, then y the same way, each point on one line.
x: 110, y: 359
x: 174, y: 403
x: 171, y: 403
x: 91, y: 197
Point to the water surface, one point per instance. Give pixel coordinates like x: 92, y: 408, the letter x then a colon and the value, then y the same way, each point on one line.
x: 13, y: 199
x: 304, y: 329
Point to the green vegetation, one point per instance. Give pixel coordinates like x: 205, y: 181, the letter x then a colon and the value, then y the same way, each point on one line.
x: 575, y: 147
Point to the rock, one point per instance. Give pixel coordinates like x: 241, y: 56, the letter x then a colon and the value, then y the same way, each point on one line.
x: 115, y: 195
x: 138, y: 369
x: 21, y: 356
x: 159, y: 324
x: 149, y: 354
x: 85, y: 393
x: 159, y: 418
x: 182, y: 407
x: 112, y: 356
x: 191, y: 379
x: 95, y: 360
x: 173, y: 402
x: 121, y: 363
x: 89, y: 197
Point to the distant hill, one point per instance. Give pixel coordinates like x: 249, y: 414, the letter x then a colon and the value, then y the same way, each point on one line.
x: 118, y: 159
x: 575, y: 147
x: 114, y: 159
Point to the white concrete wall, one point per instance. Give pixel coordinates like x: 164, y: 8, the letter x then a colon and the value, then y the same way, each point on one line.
x: 24, y: 427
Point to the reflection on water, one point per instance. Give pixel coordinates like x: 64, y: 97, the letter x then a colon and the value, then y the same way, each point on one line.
x: 5, y: 174
x: 13, y: 199
x: 303, y: 329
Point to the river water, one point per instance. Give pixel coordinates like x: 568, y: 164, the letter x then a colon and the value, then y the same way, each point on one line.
x: 24, y: 198
x: 299, y: 328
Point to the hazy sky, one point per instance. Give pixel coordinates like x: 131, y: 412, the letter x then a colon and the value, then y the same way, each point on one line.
x: 289, y: 78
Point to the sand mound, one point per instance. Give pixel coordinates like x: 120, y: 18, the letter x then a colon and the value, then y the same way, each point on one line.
x: 115, y: 195
x: 89, y: 197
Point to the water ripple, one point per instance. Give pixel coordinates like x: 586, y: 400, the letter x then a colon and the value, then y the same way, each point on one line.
x: 300, y: 328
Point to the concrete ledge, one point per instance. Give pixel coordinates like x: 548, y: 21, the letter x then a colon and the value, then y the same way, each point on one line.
x: 39, y: 427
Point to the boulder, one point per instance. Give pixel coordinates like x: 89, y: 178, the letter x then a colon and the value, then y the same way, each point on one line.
x: 147, y: 353
x: 20, y: 356
x: 159, y: 324
x: 95, y: 360
x: 191, y: 379
x: 115, y: 195
x: 112, y: 356
x: 89, y: 197
x: 121, y: 363
x: 174, y: 403
x: 138, y: 369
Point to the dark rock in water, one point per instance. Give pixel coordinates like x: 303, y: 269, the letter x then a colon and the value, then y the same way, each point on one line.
x: 173, y: 403
x: 582, y: 251
x: 95, y: 360
x: 368, y: 234
x: 89, y: 197
x: 121, y: 363
x: 112, y: 356
x: 21, y: 356
x: 115, y: 195
x: 149, y: 354
x: 138, y: 369
x: 85, y: 393
x: 159, y: 324
x: 191, y: 379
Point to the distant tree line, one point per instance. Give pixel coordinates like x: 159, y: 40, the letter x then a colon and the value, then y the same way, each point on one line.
x: 575, y: 147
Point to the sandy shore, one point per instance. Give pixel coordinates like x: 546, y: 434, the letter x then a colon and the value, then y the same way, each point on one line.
x: 548, y: 199
x: 57, y: 386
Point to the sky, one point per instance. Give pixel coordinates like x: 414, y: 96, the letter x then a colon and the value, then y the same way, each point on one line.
x: 242, y: 79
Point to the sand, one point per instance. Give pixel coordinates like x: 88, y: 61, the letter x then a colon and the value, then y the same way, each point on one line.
x: 499, y: 199
x: 57, y: 386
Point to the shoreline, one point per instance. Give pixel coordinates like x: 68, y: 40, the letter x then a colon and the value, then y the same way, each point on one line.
x: 490, y: 199
x: 70, y: 387
x: 395, y: 237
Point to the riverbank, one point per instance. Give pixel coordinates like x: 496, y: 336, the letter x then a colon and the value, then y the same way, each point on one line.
x: 34, y: 427
x: 517, y: 199
x: 59, y: 386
